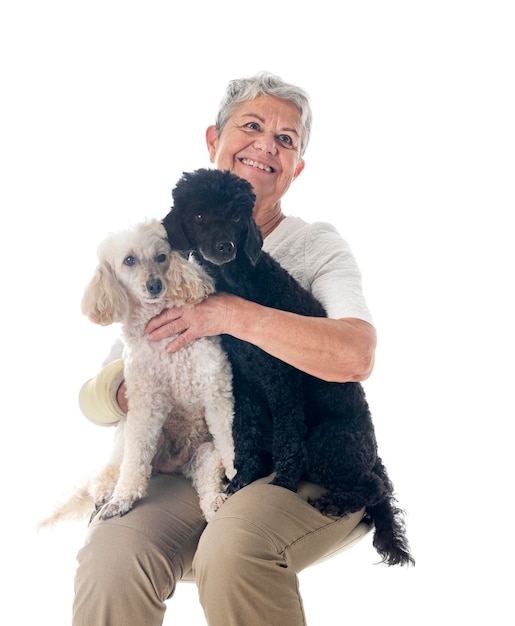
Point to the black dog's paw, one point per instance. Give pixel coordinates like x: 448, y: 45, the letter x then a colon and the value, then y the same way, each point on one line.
x: 237, y: 483
x: 327, y: 506
x: 247, y: 472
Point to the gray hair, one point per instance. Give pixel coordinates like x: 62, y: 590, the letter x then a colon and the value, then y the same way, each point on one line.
x: 265, y: 83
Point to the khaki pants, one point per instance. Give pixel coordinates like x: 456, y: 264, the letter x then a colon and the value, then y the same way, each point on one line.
x: 245, y: 562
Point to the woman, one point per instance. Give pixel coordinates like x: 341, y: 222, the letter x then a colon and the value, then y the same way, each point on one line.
x: 245, y: 562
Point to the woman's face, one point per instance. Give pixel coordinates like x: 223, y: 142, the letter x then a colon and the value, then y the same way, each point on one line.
x: 261, y: 143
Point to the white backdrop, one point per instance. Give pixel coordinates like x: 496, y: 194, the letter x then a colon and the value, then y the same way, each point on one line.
x: 104, y: 104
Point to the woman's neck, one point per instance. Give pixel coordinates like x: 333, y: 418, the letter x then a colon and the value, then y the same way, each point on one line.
x: 269, y: 221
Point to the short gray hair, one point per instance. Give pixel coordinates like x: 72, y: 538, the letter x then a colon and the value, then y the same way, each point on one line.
x: 265, y: 83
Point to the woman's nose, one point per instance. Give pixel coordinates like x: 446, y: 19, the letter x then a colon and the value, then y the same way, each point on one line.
x: 266, y: 143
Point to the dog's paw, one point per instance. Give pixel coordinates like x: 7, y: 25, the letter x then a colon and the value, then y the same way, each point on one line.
x: 209, y: 509
x: 219, y: 500
x: 244, y: 476
x: 237, y: 483
x: 328, y: 507
x: 115, y: 507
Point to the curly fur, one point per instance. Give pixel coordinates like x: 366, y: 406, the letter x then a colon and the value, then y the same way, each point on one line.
x: 286, y: 420
x: 181, y: 405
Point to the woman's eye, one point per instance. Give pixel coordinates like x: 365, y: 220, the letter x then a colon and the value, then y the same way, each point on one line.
x: 161, y: 258
x: 252, y: 125
x: 129, y: 260
x: 286, y: 139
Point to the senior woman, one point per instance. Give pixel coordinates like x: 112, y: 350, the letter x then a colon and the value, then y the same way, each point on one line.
x: 246, y: 561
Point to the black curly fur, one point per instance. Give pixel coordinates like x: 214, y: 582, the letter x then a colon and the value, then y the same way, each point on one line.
x: 285, y: 420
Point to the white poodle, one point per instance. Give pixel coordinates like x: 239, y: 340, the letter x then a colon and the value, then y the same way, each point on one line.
x: 180, y: 405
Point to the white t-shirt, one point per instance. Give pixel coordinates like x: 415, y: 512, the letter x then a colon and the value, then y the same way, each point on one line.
x: 321, y: 261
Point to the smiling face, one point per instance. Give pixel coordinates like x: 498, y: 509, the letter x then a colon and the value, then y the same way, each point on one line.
x: 261, y: 143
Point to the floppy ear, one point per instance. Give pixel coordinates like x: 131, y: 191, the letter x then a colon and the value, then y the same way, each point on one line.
x: 105, y: 300
x: 187, y: 282
x: 253, y: 242
x: 177, y: 237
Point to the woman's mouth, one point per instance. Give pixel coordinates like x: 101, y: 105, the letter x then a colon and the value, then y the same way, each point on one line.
x: 260, y: 166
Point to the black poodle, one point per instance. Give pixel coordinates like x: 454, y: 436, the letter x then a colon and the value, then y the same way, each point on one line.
x: 285, y: 421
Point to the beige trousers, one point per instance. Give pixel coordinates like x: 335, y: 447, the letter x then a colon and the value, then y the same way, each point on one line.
x: 245, y: 561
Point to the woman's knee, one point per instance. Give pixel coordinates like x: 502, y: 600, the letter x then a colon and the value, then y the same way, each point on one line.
x: 229, y: 543
x: 118, y: 557
x: 121, y: 579
x: 241, y: 573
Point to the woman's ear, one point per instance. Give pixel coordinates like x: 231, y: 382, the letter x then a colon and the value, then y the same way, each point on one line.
x: 211, y: 141
x: 299, y: 168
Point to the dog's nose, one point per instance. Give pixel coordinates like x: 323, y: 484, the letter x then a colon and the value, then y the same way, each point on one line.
x: 154, y: 286
x: 225, y: 247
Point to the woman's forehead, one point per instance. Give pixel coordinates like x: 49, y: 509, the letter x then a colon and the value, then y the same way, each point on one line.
x: 270, y: 109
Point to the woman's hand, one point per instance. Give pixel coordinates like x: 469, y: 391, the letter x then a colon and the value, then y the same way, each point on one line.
x: 206, y: 319
x: 121, y: 397
x: 334, y: 350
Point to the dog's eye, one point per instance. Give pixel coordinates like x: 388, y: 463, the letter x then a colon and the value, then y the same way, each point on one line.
x: 199, y: 217
x: 236, y: 219
x: 129, y: 260
x: 161, y: 258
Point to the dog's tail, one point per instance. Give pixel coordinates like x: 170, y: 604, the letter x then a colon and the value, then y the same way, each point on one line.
x: 77, y: 507
x: 390, y: 533
x: 390, y: 538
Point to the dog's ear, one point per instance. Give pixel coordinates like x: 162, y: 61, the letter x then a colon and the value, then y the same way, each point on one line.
x: 187, y: 282
x: 105, y: 300
x: 253, y: 242
x: 175, y: 232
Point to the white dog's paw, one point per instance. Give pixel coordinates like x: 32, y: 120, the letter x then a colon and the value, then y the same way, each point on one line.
x: 116, y: 507
x: 209, y: 508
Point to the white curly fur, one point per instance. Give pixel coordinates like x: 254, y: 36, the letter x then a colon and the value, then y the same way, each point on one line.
x: 180, y: 405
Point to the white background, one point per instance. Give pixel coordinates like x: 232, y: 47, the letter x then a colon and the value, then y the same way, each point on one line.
x: 104, y: 104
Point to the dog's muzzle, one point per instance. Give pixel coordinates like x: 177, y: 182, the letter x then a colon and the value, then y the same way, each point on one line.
x: 226, y: 248
x: 220, y: 253
x: 154, y: 286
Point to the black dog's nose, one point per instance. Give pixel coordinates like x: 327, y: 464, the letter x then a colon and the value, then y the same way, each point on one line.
x: 225, y: 247
x: 154, y: 286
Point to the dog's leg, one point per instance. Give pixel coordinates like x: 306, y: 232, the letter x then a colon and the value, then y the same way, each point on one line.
x: 102, y: 485
x: 144, y: 421
x: 219, y: 418
x: 251, y: 422
x: 289, y: 450
x: 289, y: 430
x: 350, y: 496
x: 207, y: 474
x: 249, y: 432
x: 219, y: 411
x: 218, y: 398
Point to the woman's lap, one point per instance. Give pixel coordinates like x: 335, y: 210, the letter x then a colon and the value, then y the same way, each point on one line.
x: 133, y: 562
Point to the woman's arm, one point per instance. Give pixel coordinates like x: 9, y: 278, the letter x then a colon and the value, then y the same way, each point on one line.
x: 98, y: 397
x: 335, y: 350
